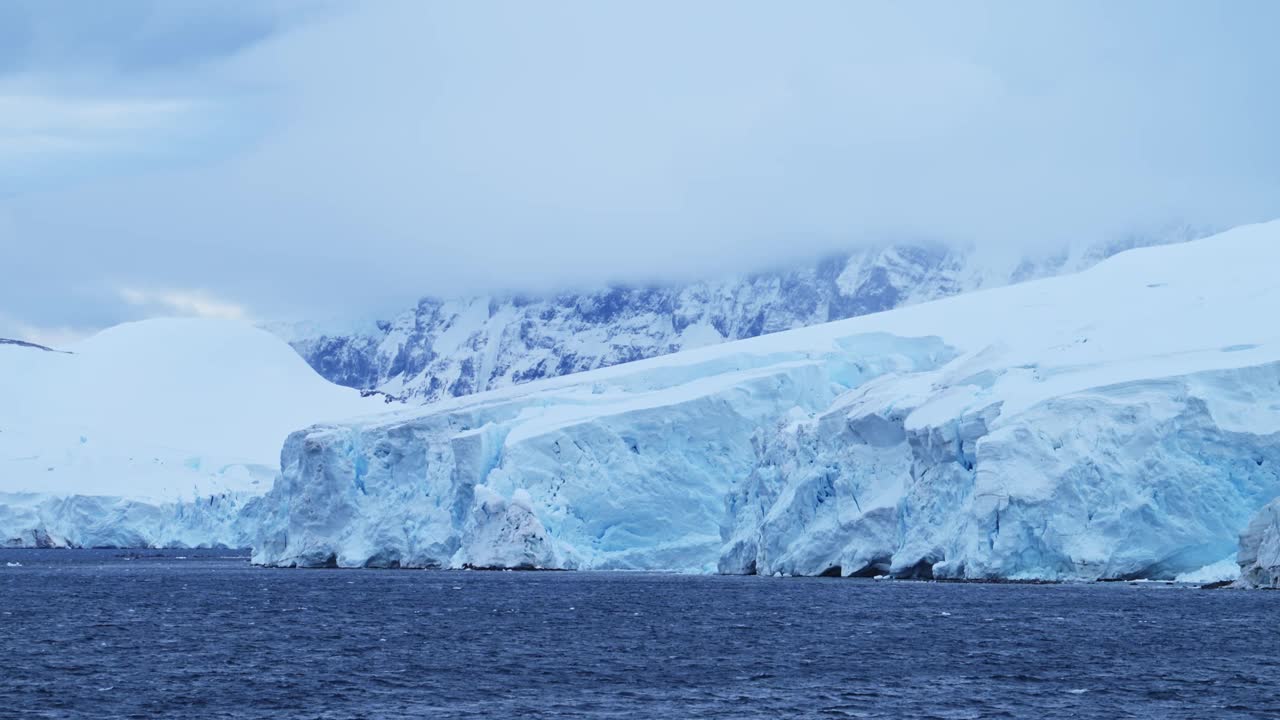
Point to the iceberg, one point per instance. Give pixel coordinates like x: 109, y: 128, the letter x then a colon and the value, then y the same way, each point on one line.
x: 1121, y: 422
x: 151, y: 434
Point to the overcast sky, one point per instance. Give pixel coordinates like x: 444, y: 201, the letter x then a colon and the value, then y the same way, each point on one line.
x: 316, y: 160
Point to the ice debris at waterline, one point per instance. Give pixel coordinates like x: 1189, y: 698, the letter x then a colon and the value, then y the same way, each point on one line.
x: 1226, y: 570
x: 1260, y: 549
x: 1117, y: 423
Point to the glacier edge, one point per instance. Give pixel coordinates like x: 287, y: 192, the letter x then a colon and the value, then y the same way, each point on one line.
x: 1116, y: 423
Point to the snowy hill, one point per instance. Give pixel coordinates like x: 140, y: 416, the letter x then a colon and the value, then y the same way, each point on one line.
x: 1120, y: 422
x: 149, y: 415
x: 449, y: 348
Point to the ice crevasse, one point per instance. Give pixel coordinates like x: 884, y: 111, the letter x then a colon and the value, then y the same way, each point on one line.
x: 1120, y: 422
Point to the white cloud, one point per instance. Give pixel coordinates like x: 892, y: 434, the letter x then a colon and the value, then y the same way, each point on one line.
x: 54, y: 337
x: 46, y: 113
x: 407, y: 148
x: 192, y: 303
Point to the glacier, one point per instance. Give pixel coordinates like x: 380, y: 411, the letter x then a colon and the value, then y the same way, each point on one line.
x: 1120, y: 422
x: 44, y: 520
x: 158, y: 433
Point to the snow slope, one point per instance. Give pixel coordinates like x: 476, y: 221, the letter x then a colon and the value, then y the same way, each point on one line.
x: 1120, y: 422
x: 156, y: 424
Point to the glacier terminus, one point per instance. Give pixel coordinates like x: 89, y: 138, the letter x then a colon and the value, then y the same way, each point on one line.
x: 1121, y: 422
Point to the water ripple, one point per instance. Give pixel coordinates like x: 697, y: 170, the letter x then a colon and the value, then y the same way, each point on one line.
x: 89, y: 635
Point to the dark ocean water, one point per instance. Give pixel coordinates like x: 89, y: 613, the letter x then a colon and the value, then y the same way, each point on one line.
x: 92, y: 634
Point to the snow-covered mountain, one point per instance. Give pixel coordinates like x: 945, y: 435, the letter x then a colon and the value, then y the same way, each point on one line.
x: 151, y: 433
x: 1119, y: 422
x: 450, y: 348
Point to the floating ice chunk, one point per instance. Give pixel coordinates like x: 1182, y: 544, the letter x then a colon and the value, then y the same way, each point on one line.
x: 1225, y: 570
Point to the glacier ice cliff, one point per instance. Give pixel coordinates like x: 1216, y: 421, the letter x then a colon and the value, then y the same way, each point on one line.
x: 1135, y: 479
x: 1119, y: 422
x: 40, y: 520
x: 1259, y: 556
x: 625, y: 472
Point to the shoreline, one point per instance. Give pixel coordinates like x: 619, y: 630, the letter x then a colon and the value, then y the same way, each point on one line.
x: 129, y: 553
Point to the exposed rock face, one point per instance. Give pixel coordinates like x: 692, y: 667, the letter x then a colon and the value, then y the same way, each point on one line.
x: 451, y: 348
x: 1259, y: 556
x: 25, y: 344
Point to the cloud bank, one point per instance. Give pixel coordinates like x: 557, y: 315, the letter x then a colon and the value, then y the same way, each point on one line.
x: 353, y: 157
